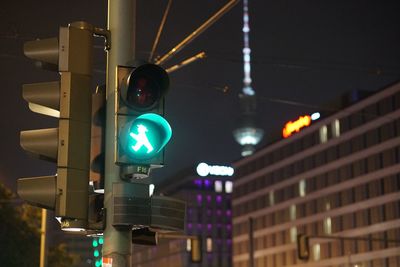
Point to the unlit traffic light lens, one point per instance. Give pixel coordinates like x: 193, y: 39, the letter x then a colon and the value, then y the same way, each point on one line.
x: 142, y: 93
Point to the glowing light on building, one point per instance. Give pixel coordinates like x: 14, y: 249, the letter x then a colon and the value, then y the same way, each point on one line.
x: 315, y: 116
x: 203, y: 169
x: 292, y: 127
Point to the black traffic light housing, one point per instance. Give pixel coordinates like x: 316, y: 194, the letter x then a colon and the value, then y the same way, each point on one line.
x: 141, y: 91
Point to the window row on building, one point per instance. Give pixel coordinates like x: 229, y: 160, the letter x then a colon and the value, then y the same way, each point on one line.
x: 347, y: 122
x: 333, y: 178
x: 326, y: 155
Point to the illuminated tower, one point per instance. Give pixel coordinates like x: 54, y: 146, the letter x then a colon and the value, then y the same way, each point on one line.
x: 247, y: 134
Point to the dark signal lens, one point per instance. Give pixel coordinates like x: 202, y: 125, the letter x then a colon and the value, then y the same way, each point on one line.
x: 142, y: 93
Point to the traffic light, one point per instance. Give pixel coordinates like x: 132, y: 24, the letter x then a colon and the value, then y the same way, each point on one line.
x: 303, y: 247
x: 142, y: 131
x: 68, y: 99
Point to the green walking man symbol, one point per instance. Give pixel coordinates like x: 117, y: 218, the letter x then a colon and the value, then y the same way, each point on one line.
x: 141, y: 139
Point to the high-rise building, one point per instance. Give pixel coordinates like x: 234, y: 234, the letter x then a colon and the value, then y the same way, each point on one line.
x: 333, y: 179
x: 208, y: 215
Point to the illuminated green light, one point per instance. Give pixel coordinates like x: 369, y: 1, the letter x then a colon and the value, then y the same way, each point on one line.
x: 144, y: 137
x: 101, y: 241
x: 94, y: 243
x: 141, y: 139
x: 96, y: 253
x: 98, y: 263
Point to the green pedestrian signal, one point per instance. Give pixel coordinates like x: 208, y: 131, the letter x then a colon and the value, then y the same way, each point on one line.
x: 142, y: 132
x: 144, y: 137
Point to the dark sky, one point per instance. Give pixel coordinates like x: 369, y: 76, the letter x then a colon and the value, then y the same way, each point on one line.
x: 309, y: 52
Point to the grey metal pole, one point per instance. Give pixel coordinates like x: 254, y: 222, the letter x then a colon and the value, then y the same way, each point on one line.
x: 121, y: 23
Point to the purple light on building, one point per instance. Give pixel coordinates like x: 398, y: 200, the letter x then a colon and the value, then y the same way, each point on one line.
x: 199, y: 198
x: 219, y: 212
x: 228, y: 213
x: 229, y: 227
x: 209, y: 212
x: 229, y: 242
x: 198, y: 182
x: 209, y: 227
x: 219, y: 199
x: 189, y: 226
x: 207, y: 183
x: 208, y: 198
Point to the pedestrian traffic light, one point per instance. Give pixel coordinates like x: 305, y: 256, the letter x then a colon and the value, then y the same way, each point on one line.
x: 303, y: 247
x: 142, y: 130
x: 68, y: 99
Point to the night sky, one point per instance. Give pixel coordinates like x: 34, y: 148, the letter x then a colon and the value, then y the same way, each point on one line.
x: 308, y: 52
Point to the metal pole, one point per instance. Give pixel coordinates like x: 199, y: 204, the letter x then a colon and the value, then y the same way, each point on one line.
x: 117, y: 248
x: 186, y: 62
x: 160, y: 29
x: 197, y: 32
x: 43, y: 239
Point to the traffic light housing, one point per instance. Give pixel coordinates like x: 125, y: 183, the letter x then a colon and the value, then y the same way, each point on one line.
x: 144, y: 236
x: 68, y: 99
x: 142, y: 131
x: 303, y: 247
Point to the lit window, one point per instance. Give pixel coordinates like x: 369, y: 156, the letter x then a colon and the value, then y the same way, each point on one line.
x: 293, y: 234
x: 271, y: 198
x: 328, y: 226
x: 209, y: 244
x: 218, y: 186
x: 188, y: 244
x: 327, y: 205
x: 317, y: 252
x: 293, y: 212
x: 228, y: 187
x: 323, y: 134
x: 302, y: 188
x: 336, y: 128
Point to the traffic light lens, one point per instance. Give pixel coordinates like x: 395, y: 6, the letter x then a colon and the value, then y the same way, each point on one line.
x: 94, y: 243
x: 101, y: 241
x: 144, y: 137
x: 142, y: 93
x: 96, y: 253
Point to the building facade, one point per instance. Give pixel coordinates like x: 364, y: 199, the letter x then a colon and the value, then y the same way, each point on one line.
x: 334, y: 180
x: 208, y: 215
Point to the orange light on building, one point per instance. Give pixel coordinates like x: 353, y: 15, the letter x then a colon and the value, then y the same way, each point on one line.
x: 295, y: 126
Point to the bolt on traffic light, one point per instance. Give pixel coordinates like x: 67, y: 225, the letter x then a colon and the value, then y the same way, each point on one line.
x: 142, y: 131
x: 68, y: 99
